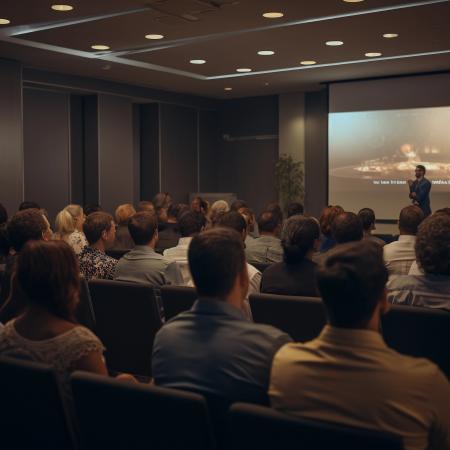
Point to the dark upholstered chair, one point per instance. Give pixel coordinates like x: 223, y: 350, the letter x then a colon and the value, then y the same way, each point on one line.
x: 177, y: 299
x: 116, y: 253
x: 32, y: 413
x: 85, y: 311
x: 261, y: 266
x: 127, y: 320
x: 116, y: 414
x: 260, y: 428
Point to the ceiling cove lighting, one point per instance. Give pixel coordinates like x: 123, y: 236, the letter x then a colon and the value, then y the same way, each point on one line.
x: 243, y: 70
x: 154, y: 36
x: 372, y: 54
x: 273, y: 15
x: 308, y: 63
x: 266, y: 52
x: 4, y: 21
x: 100, y: 47
x: 334, y: 43
x: 197, y: 61
x: 62, y: 8
x: 390, y: 35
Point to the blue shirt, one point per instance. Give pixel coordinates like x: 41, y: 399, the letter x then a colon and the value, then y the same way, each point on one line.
x: 213, y: 349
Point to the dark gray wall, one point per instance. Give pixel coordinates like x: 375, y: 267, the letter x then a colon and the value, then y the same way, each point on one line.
x: 46, y: 144
x: 208, y: 146
x: 11, y: 165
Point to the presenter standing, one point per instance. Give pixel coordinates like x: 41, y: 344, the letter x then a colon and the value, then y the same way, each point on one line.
x: 419, y: 190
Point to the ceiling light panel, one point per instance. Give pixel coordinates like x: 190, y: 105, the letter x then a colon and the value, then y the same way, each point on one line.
x: 62, y: 8
x: 266, y: 52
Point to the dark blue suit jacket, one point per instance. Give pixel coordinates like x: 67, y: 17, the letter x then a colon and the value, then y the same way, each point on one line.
x: 422, y: 189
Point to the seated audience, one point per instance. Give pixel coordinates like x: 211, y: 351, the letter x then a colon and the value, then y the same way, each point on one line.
x: 28, y: 205
x: 145, y: 206
x: 168, y: 237
x: 213, y: 349
x: 252, y: 226
x: 162, y: 200
x: 123, y: 239
x: 199, y: 206
x: 142, y: 264
x: 92, y: 208
x: 100, y: 231
x: 346, y: 227
x: 69, y: 227
x: 326, y: 219
x: 348, y: 375
x: 432, y: 289
x: 275, y: 208
x: 294, y: 209
x: 189, y: 225
x: 217, y: 210
x: 48, y: 275
x: 367, y: 217
x: 267, y: 247
x: 399, y: 255
x: 296, y: 275
x: 238, y: 204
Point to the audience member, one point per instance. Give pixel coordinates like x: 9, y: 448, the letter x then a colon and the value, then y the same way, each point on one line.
x: 367, y: 217
x: 212, y: 349
x: 325, y: 221
x: 275, y: 208
x: 432, y: 289
x: 3, y: 215
x: 69, y: 227
x: 189, y: 225
x: 123, y: 239
x: 5, y: 247
x: 252, y: 226
x: 348, y: 375
x: 237, y: 205
x: 217, y: 210
x: 399, y: 255
x: 92, y: 208
x: 294, y: 209
x: 100, y: 231
x: 267, y: 247
x: 199, y: 206
x: 346, y: 227
x: 143, y: 264
x: 168, y: 237
x: 28, y: 205
x: 145, y: 206
x: 162, y: 200
x: 296, y: 275
x: 47, y: 273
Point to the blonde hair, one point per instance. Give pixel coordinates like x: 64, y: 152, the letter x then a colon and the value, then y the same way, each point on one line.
x: 124, y: 212
x: 67, y: 219
x: 218, y: 209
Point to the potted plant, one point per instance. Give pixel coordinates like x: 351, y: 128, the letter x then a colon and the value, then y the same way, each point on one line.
x: 289, y: 176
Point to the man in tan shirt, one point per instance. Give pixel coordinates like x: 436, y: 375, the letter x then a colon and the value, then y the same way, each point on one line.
x: 348, y: 375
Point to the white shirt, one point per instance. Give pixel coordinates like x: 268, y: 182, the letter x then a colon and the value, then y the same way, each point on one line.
x: 179, y: 254
x: 415, y: 269
x: 399, y: 255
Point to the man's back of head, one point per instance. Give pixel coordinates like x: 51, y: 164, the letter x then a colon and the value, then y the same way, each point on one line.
x: 347, y: 227
x: 190, y: 224
x: 26, y: 225
x: 367, y: 217
x: 410, y: 219
x: 28, y: 205
x: 97, y: 223
x: 142, y: 227
x: 269, y: 223
x: 294, y: 209
x: 233, y: 220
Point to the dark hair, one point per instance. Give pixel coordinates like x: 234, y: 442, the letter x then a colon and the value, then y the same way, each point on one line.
x: 327, y: 217
x: 276, y: 210
x: 419, y: 166
x: 162, y: 200
x: 26, y: 225
x: 410, y: 219
x: 298, y: 237
x: 238, y: 204
x: 95, y: 224
x: 268, y: 222
x: 351, y: 281
x: 28, y: 205
x: 142, y: 227
x: 48, y: 274
x: 367, y: 217
x: 233, y: 220
x: 191, y: 223
x: 173, y: 210
x: 216, y: 258
x: 144, y: 205
x: 433, y: 244
x: 92, y: 208
x: 3, y: 215
x: 294, y: 209
x: 347, y: 227
x: 5, y: 245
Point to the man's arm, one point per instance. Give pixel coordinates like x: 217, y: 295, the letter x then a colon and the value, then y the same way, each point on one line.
x: 423, y: 192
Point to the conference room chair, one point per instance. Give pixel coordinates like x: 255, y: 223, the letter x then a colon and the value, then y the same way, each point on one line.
x: 84, y: 312
x: 116, y: 253
x: 177, y: 299
x: 301, y: 317
x: 127, y: 320
x: 118, y: 414
x: 256, y: 427
x: 32, y: 413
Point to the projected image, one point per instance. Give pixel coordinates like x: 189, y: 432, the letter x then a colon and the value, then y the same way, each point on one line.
x: 372, y: 154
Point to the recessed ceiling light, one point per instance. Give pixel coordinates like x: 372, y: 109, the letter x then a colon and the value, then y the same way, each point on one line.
x: 99, y: 47
x: 243, y: 69
x: 62, y: 8
x: 390, y: 35
x: 197, y: 61
x: 4, y: 21
x: 154, y: 36
x: 266, y: 52
x: 266, y: 84
x: 372, y: 54
x: 334, y: 43
x: 228, y: 89
x: 273, y: 15
x: 307, y: 63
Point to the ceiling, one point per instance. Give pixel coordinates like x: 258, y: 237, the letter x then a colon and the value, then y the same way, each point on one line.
x: 227, y: 34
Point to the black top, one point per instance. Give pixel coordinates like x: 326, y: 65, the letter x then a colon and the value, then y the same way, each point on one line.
x: 291, y: 279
